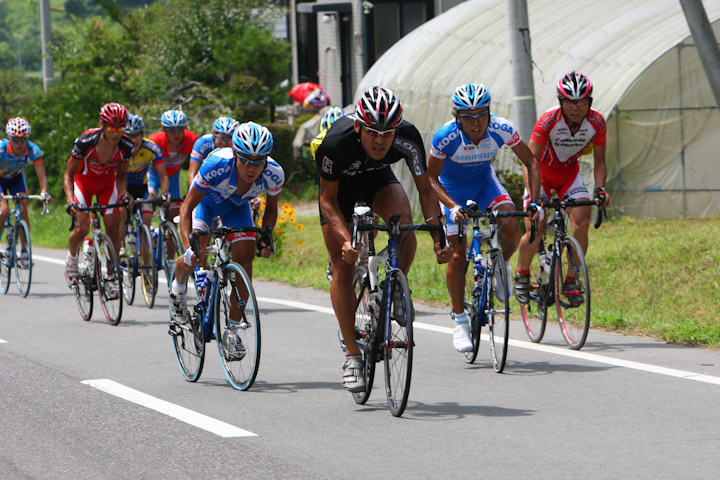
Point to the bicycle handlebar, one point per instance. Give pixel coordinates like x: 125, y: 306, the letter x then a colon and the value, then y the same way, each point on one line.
x: 393, y: 227
x: 21, y: 196
x: 95, y: 207
x: 194, y: 238
x: 560, y: 205
x: 473, y: 210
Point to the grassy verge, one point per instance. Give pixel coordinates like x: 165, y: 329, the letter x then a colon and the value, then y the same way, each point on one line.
x: 659, y: 278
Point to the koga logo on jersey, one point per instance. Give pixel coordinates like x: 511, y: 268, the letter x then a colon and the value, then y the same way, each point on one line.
x: 501, y: 126
x: 216, y: 172
x: 271, y: 175
x: 446, y: 140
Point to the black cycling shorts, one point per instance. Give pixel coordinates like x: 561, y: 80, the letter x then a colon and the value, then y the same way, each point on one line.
x: 362, y: 187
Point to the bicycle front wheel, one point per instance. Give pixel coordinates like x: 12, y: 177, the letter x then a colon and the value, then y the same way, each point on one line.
x: 171, y: 249
x: 365, y: 331
x: 572, y: 293
x: 148, y: 269
x: 127, y: 266
x: 398, y: 347
x: 109, y: 279
x: 83, y: 291
x: 497, y: 311
x: 237, y: 326
x: 189, y: 338
x: 6, y: 259
x: 534, y: 313
x: 23, y: 258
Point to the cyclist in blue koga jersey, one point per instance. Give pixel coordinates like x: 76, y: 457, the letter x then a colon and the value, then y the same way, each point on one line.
x: 460, y: 170
x: 223, y: 187
x: 221, y: 137
x: 16, y: 151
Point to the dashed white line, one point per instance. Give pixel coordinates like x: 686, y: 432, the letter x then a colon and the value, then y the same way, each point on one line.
x: 170, y: 409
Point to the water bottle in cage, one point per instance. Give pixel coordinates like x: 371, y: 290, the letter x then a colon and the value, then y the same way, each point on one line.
x: 479, y: 267
x: 544, y: 267
x: 201, y: 286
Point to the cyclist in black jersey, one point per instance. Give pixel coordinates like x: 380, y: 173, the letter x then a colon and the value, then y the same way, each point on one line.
x: 353, y: 164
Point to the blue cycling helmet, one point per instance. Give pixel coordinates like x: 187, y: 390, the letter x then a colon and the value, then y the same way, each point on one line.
x: 135, y: 124
x: 226, y: 125
x: 471, y: 95
x: 329, y: 117
x: 173, y: 118
x: 252, y: 139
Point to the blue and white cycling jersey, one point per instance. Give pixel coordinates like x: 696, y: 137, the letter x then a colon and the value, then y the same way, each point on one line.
x: 202, y: 148
x: 465, y: 161
x: 217, y: 177
x: 12, y: 166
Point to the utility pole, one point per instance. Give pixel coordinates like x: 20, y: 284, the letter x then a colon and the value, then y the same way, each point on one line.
x: 19, y: 55
x: 705, y: 42
x: 47, y: 64
x: 521, y: 58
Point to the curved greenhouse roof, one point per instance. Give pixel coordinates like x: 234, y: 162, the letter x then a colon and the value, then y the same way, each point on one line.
x: 648, y: 82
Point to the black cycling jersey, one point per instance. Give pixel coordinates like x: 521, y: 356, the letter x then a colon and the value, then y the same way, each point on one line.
x: 341, y: 155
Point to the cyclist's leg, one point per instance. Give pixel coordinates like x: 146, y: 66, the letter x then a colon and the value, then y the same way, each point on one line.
x: 202, y: 218
x: 111, y: 216
x: 390, y: 199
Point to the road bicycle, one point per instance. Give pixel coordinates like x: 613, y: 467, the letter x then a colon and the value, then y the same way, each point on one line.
x: 561, y: 261
x: 16, y: 250
x: 384, y: 313
x: 98, y: 269
x: 222, y: 306
x: 489, y: 277
x: 138, y: 256
x: 166, y: 239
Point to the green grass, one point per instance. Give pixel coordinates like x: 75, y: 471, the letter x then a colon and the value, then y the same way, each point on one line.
x: 659, y: 278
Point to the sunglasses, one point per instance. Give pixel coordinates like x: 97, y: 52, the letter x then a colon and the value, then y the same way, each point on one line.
x: 252, y: 162
x: 112, y: 128
x: 378, y: 133
x: 582, y: 102
x: 18, y: 139
x: 475, y: 116
x: 175, y: 129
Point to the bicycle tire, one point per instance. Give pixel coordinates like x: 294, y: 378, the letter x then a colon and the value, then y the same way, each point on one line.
x: 127, y: 264
x: 169, y: 234
x: 231, y: 317
x: 109, y: 277
x: 83, y: 290
x: 365, y: 332
x: 398, y: 348
x: 574, y: 319
x: 188, y: 339
x: 475, y: 326
x: 23, y: 266
x: 6, y: 259
x: 148, y: 269
x: 534, y: 313
x: 498, y: 320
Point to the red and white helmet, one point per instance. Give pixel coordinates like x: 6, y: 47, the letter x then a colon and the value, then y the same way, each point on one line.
x: 378, y: 107
x: 114, y: 114
x: 17, y: 127
x: 574, y: 86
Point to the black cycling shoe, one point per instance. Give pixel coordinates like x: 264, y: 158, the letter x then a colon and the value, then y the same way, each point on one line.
x: 572, y: 292
x: 522, y: 288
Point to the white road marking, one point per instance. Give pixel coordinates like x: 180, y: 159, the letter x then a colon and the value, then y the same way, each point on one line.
x: 3, y: 341
x: 170, y: 409
x: 43, y: 258
x: 591, y: 357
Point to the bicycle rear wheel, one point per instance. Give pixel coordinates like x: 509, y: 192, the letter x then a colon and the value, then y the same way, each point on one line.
x: 573, y: 305
x: 83, y: 291
x: 6, y: 259
x: 171, y: 248
x: 398, y: 347
x: 109, y: 279
x: 189, y: 338
x: 237, y: 319
x: 498, y: 311
x: 365, y: 331
x: 127, y: 266
x: 23, y: 258
x: 148, y: 269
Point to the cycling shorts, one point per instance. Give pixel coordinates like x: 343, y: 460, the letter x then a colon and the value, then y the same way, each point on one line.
x: 153, y: 185
x: 231, y: 215
x: 362, y: 187
x: 140, y: 192
x: 485, y: 194
x: 103, y: 187
x: 13, y: 186
x: 567, y: 187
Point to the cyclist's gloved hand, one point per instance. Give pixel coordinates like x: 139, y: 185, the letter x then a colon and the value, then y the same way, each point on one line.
x: 535, y: 207
x: 126, y: 199
x: 45, y: 195
x: 602, y: 196
x: 265, y: 241
x: 71, y: 208
x: 165, y: 197
x: 457, y: 213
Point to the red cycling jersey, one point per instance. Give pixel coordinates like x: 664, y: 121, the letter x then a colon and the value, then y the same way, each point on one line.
x: 175, y: 160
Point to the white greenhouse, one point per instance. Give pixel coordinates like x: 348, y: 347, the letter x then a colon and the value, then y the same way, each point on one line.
x: 663, y: 122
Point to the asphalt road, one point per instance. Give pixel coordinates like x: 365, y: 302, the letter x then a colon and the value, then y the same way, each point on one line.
x: 87, y: 400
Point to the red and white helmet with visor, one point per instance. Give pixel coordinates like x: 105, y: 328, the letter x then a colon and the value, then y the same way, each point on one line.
x: 574, y: 86
x: 379, y: 108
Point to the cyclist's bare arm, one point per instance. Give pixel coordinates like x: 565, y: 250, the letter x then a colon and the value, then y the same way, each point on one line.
x: 71, y: 168
x: 431, y: 210
x: 191, y: 201
x: 164, y: 180
x: 335, y: 221
x: 530, y: 165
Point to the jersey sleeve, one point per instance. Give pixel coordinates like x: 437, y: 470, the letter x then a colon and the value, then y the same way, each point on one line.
x: 157, y: 153
x: 199, y: 150
x: 598, y: 122
x: 409, y: 143
x: 36, y: 155
x: 274, y: 176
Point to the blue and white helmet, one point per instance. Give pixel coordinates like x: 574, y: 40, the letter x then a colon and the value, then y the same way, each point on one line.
x: 252, y: 139
x: 226, y: 125
x: 329, y: 117
x: 135, y: 124
x: 471, y: 95
x: 173, y: 118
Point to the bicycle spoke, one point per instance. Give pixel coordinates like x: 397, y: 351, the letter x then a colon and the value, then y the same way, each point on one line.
x: 365, y: 331
x: 128, y: 267
x: 572, y: 293
x: 109, y: 279
x: 398, y: 347
x: 497, y: 311
x: 189, y: 340
x: 148, y: 270
x: 23, y: 258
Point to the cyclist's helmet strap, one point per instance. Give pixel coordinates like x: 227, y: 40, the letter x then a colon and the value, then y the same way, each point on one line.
x: 378, y: 107
x: 574, y: 86
x: 226, y: 125
x: 252, y: 139
x: 471, y: 95
x: 135, y: 124
x: 17, y: 127
x: 114, y: 114
x: 173, y: 118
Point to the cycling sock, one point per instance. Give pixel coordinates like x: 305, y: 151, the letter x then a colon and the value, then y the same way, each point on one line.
x: 460, y: 318
x: 178, y: 289
x: 523, y: 272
